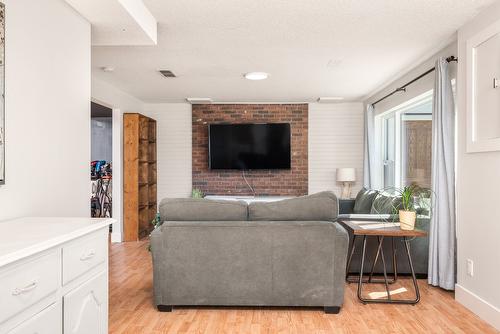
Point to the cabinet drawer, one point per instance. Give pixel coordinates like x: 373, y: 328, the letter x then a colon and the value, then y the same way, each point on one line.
x: 49, y: 321
x: 28, y: 283
x: 84, y: 254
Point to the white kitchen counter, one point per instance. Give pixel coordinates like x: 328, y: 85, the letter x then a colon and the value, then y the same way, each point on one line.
x: 54, y: 275
x: 22, y: 237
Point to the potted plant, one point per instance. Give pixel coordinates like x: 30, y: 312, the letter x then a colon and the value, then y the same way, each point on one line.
x: 197, y: 193
x: 407, y: 213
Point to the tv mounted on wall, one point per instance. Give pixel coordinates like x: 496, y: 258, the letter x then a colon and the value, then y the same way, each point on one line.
x: 249, y: 146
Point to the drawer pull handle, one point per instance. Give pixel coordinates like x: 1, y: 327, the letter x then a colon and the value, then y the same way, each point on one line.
x: 87, y: 256
x: 27, y: 288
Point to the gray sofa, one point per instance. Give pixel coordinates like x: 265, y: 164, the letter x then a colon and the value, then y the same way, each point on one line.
x: 286, y: 253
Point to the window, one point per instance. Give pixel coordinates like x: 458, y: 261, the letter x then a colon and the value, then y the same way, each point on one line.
x: 406, y: 143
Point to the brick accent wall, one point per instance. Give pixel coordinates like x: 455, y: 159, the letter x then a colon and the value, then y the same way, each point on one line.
x: 292, y: 182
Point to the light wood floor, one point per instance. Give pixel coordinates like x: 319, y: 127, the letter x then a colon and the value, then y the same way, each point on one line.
x: 132, y: 311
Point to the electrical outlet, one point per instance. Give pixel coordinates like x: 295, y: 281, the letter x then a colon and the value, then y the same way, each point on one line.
x: 470, y: 267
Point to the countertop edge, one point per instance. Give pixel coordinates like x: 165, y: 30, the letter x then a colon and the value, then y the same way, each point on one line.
x: 53, y: 242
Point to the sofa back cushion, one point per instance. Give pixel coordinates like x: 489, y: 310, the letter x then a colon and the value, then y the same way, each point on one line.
x: 321, y: 206
x: 199, y: 209
x: 386, y: 204
x: 364, y: 201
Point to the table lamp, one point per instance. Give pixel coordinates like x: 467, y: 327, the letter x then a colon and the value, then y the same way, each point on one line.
x: 346, y: 176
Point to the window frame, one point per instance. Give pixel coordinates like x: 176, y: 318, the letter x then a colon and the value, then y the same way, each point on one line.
x: 381, y: 120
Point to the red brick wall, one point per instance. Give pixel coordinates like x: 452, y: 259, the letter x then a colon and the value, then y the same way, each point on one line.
x: 292, y: 182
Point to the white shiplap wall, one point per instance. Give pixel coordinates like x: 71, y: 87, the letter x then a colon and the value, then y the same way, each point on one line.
x: 173, y: 148
x: 335, y: 141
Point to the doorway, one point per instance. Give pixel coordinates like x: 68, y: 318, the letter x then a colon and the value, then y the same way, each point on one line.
x: 101, y: 162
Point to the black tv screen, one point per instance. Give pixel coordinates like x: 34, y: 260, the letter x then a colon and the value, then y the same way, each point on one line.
x: 249, y: 146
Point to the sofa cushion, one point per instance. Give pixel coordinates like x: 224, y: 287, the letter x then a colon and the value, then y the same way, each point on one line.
x: 321, y: 206
x: 364, y: 201
x: 194, y: 209
x: 386, y: 204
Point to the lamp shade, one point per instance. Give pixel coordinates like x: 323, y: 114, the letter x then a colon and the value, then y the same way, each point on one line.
x: 346, y: 174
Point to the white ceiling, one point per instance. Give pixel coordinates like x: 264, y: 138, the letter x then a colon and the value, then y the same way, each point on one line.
x: 311, y: 48
x: 118, y: 22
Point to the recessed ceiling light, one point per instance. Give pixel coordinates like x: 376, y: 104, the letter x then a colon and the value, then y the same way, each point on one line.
x: 256, y: 75
x: 108, y: 69
x: 330, y: 99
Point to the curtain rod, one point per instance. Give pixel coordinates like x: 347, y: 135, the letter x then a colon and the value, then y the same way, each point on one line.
x: 403, y: 88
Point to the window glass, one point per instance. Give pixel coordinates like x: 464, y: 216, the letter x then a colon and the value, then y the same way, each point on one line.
x: 407, y: 143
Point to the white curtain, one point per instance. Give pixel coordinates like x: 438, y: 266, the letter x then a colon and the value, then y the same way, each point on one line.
x: 369, y: 155
x: 442, y: 237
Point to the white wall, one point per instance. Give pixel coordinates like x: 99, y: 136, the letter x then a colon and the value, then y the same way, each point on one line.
x: 335, y: 141
x: 174, y: 146
x: 478, y: 210
x: 121, y: 102
x: 419, y: 87
x: 101, y: 132
x: 47, y: 110
x: 109, y: 96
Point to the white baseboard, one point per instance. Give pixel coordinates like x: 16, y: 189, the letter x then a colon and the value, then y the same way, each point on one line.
x: 479, y: 306
x: 116, y: 237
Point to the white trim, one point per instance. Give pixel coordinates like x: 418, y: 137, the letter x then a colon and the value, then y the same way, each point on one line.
x: 411, y: 103
x: 479, y: 306
x: 117, y: 190
x: 473, y: 143
x: 397, y: 113
x: 392, y: 83
x: 268, y: 102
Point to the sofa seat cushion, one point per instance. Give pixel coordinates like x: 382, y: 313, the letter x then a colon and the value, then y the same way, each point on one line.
x: 199, y: 209
x: 364, y: 201
x: 321, y: 206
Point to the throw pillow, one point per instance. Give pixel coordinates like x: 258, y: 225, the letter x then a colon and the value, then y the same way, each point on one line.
x: 364, y: 201
x: 386, y: 204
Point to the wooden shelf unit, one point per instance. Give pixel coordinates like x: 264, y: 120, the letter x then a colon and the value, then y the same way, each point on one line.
x: 139, y: 176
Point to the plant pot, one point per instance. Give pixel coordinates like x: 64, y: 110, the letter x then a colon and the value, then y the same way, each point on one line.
x: 407, y: 219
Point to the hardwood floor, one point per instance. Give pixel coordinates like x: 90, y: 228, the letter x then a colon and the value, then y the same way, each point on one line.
x: 131, y: 309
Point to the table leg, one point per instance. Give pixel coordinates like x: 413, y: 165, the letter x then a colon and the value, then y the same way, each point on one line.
x: 389, y: 300
x: 379, y: 247
x: 351, y: 253
x: 360, y: 283
x: 394, y: 261
x: 410, y: 262
x: 377, y: 255
x: 385, y: 272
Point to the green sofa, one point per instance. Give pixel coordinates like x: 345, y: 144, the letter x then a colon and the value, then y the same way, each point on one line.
x: 375, y: 205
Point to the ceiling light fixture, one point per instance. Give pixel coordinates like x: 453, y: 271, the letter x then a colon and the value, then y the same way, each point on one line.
x: 330, y: 99
x: 256, y: 75
x: 199, y: 100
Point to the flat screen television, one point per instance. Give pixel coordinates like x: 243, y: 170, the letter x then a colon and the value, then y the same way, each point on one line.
x: 249, y: 146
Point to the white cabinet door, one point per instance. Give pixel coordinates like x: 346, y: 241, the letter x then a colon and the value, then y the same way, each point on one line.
x: 86, y: 307
x: 47, y: 321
